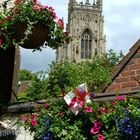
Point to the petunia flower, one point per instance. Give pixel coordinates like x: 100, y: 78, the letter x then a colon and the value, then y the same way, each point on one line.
x: 100, y: 137
x: 120, y: 98
x: 33, y: 116
x: 33, y: 122
x: 24, y: 118
x: 89, y: 109
x: 96, y: 128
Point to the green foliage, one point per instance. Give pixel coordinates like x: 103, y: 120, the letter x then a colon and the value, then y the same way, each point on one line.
x: 67, y: 74
x: 110, y: 119
x: 113, y: 58
x: 62, y: 77
x: 25, y: 75
x: 37, y: 86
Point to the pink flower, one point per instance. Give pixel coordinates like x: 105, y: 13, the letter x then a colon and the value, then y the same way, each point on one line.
x: 1, y: 42
x: 120, y: 98
x: 17, y: 2
x: 103, y: 110
x: 60, y: 23
x: 24, y: 118
x: 46, y: 106
x: 33, y: 116
x: 96, y: 128
x: 126, y: 109
x: 100, y: 137
x: 33, y: 122
x: 112, y: 103
x: 8, y: 18
x: 46, y: 7
x: 89, y: 109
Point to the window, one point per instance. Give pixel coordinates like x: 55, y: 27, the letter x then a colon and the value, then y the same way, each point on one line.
x: 86, y: 43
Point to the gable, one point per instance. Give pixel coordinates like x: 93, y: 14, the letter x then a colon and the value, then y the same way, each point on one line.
x: 126, y: 76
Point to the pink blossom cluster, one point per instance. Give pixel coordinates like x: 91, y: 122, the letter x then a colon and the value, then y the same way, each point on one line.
x: 96, y: 129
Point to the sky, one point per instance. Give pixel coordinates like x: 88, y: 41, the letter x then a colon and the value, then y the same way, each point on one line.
x: 121, y: 27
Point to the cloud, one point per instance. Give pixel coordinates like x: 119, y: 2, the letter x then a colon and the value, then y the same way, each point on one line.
x: 121, y: 26
x: 35, y: 61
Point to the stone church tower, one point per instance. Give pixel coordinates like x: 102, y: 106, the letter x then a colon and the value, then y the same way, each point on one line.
x: 85, y: 25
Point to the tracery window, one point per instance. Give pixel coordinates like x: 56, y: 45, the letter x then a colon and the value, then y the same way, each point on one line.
x: 86, y: 43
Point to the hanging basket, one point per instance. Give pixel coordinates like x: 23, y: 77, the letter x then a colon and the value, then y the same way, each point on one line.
x: 35, y: 40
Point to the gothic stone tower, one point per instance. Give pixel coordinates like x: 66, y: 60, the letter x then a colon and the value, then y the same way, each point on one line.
x: 85, y: 25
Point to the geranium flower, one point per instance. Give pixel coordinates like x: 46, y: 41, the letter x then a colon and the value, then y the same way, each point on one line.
x: 60, y: 23
x: 100, y: 137
x: 33, y: 122
x: 89, y: 109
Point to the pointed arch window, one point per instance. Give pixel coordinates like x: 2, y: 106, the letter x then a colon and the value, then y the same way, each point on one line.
x: 86, y: 43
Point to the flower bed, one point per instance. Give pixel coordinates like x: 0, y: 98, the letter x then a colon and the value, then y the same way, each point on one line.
x: 114, y: 120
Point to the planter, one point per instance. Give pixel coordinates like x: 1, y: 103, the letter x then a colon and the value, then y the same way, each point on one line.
x: 35, y: 40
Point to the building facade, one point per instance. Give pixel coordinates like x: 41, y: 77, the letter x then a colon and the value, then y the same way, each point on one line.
x: 86, y: 26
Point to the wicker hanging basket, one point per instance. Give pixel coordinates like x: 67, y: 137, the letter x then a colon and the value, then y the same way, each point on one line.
x: 35, y: 40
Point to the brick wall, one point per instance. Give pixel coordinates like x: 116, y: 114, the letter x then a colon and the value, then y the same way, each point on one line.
x: 129, y: 78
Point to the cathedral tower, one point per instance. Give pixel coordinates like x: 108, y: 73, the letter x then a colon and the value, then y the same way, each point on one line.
x: 85, y: 25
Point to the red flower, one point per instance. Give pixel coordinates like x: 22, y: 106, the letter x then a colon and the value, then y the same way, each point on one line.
x: 96, y: 128
x: 60, y: 23
x: 89, y: 109
x: 100, y: 137
x: 46, y: 106
x: 33, y: 116
x: 120, y: 98
x: 33, y: 122
x: 66, y: 33
x: 24, y: 118
x: 17, y: 2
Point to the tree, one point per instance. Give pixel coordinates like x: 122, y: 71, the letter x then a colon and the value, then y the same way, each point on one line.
x: 62, y: 77
x: 25, y: 75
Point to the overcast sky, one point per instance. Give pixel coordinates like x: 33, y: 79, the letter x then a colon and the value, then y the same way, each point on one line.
x: 121, y: 26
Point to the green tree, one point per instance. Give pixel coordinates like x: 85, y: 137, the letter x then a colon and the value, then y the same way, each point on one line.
x: 113, y: 57
x: 25, y: 75
x: 62, y: 77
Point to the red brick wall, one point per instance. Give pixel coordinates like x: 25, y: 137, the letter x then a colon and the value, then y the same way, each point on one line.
x: 129, y: 78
